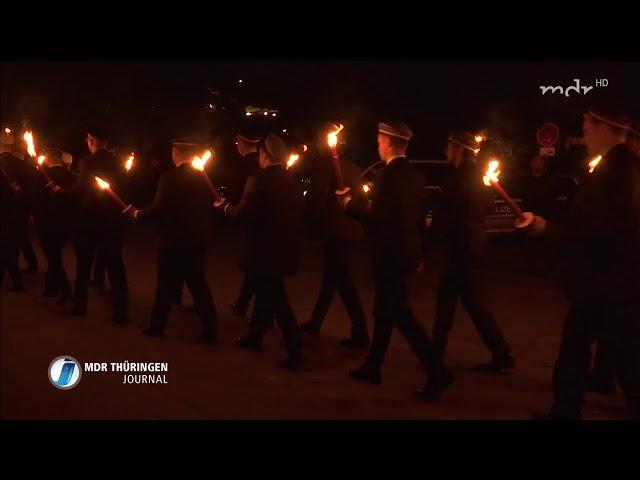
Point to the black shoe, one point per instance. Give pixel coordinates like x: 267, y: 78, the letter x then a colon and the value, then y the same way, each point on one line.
x: 48, y: 294
x: 191, y: 308
x: 121, y: 320
x: 249, y: 344
x: 432, y: 390
x: 357, y: 341
x: 62, y: 301
x: 149, y: 332
x: 16, y: 290
x: 237, y: 311
x: 208, y: 339
x: 77, y: 311
x: 293, y: 362
x: 603, y: 387
x: 498, y: 365
x: 310, y: 328
x: 554, y: 416
x: 97, y: 283
x: 30, y: 269
x: 367, y: 374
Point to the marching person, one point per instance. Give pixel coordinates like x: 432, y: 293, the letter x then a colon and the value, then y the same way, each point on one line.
x: 181, y: 211
x: 393, y: 219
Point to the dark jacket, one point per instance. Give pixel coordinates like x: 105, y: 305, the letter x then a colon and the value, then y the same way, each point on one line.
x: 182, y: 208
x: 601, y: 242
x: 12, y: 217
x: 394, y: 217
x: 24, y: 173
x: 325, y: 216
x: 537, y: 195
x: 272, y: 209
x: 460, y: 213
x: 98, y: 210
x: 56, y: 213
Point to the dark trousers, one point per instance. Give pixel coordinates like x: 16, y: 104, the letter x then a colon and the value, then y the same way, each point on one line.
x: 272, y: 303
x: 9, y: 262
x: 391, y: 308
x: 247, y: 290
x: 87, y: 242
x: 603, y: 372
x: 56, y: 281
x: 100, y: 266
x: 615, y: 324
x: 177, y: 265
x: 27, y: 250
x: 336, y: 275
x: 464, y: 281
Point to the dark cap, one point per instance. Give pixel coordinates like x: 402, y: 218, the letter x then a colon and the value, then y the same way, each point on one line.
x: 611, y: 117
x: 99, y: 132
x: 465, y: 140
x: 187, y: 142
x: 250, y: 133
x: 275, y: 147
x: 395, y: 129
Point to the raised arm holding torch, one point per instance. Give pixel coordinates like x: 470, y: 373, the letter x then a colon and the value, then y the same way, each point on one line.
x: 332, y: 141
x: 199, y: 163
x: 105, y: 186
x: 490, y: 178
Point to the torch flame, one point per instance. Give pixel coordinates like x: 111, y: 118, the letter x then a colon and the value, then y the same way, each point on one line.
x: 594, y: 163
x: 7, y: 130
x: 304, y: 148
x: 293, y: 158
x: 41, y: 159
x: 332, y: 137
x: 102, y: 184
x: 199, y: 162
x: 492, y: 173
x: 479, y: 138
x: 129, y: 162
x: 366, y: 188
x: 28, y: 137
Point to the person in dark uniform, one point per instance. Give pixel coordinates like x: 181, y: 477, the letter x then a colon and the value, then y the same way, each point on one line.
x: 393, y: 220
x: 602, y: 250
x: 247, y: 144
x: 460, y: 219
x: 181, y: 212
x: 54, y: 221
x: 13, y: 215
x: 602, y: 376
x: 337, y: 232
x: 12, y: 220
x: 22, y: 172
x: 537, y: 197
x: 272, y: 209
x: 100, y: 223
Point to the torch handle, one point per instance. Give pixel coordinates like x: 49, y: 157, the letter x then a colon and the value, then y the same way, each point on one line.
x: 337, y: 168
x: 211, y: 186
x: 117, y: 198
x: 46, y: 176
x: 505, y: 196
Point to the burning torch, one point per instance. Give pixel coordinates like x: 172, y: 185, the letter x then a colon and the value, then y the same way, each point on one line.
x: 490, y: 178
x: 105, y: 186
x: 199, y: 163
x: 293, y: 158
x: 129, y: 163
x: 594, y: 163
x: 332, y: 141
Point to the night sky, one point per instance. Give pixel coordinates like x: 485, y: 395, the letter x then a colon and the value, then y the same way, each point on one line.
x: 165, y: 98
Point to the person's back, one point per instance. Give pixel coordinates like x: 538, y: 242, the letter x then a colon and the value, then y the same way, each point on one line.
x: 275, y: 236
x: 186, y: 216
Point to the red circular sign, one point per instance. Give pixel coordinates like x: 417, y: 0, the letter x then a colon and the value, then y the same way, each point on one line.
x: 548, y: 134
